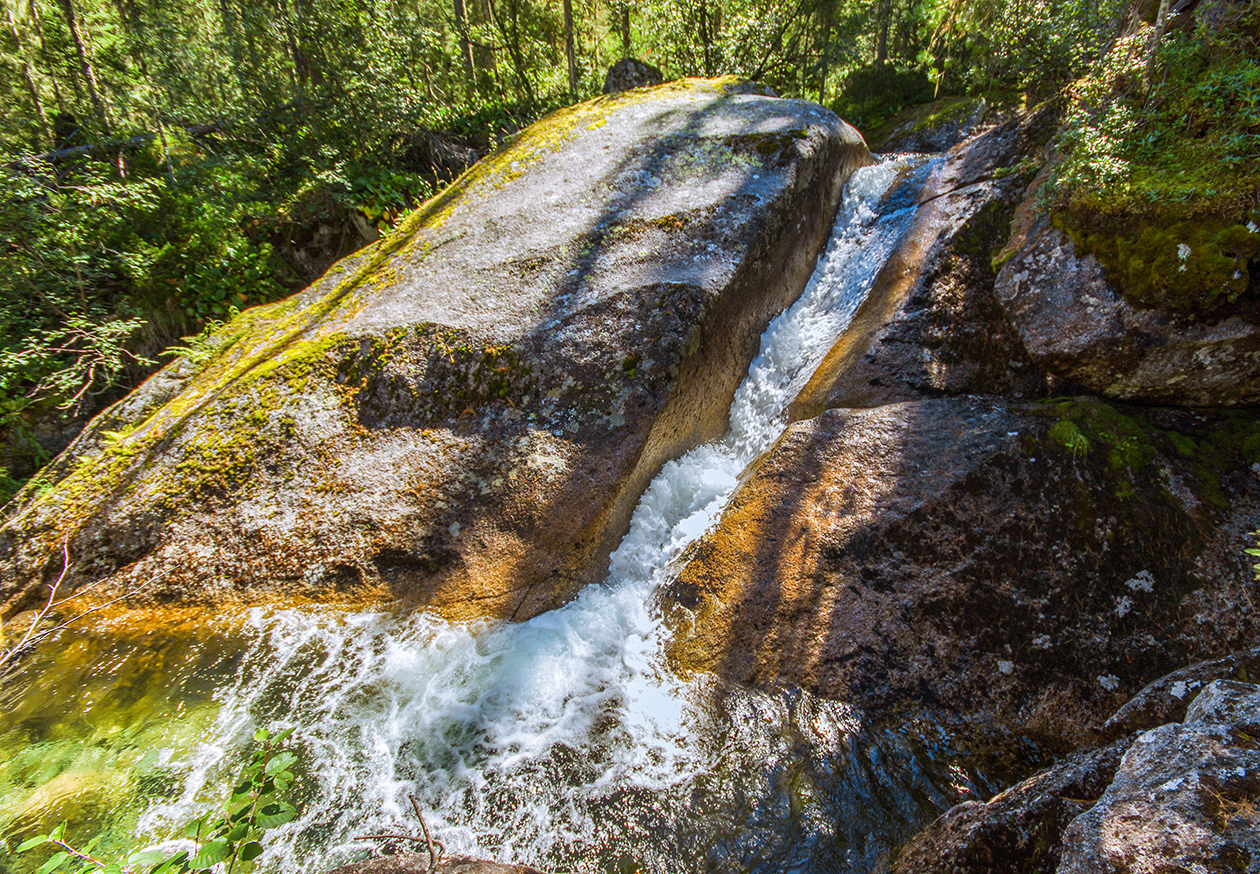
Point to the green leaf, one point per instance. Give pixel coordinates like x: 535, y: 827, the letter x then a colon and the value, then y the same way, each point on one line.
x: 211, y: 854
x: 250, y: 851
x: 54, y: 861
x: 32, y: 843
x: 281, y: 762
x: 284, y: 735
x: 149, y: 857
x: 177, y: 862
x: 238, y: 832
x: 193, y: 829
x: 58, y: 833
x: 261, y: 735
x: 276, y: 814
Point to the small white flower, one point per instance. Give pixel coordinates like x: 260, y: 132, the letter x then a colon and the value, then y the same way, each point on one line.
x: 1109, y: 681
x: 1123, y: 606
x: 1183, y: 251
x: 1005, y: 667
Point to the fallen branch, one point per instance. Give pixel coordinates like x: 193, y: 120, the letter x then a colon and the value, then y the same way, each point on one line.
x: 33, y: 635
x: 435, y: 855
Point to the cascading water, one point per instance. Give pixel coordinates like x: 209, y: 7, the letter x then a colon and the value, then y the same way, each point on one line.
x: 565, y: 741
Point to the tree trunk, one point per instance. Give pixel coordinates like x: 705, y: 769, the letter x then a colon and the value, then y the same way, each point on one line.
x: 43, y: 54
x: 570, y: 51
x: 824, y: 50
x: 85, y: 65
x: 1161, y: 22
x: 465, y: 47
x: 624, y: 17
x: 511, y: 33
x: 28, y: 75
x: 706, y: 38
x: 885, y: 19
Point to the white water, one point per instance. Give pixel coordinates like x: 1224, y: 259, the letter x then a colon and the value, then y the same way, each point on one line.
x: 563, y: 740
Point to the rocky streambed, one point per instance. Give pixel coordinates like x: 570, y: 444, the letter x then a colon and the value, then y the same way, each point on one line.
x: 941, y: 525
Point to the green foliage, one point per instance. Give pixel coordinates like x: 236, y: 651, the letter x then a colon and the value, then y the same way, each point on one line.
x: 1160, y: 179
x: 227, y: 840
x: 873, y: 93
x: 217, y: 154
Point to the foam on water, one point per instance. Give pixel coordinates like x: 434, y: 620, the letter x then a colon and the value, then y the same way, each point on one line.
x: 564, y: 740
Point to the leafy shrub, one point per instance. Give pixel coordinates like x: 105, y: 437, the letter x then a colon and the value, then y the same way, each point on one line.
x: 226, y: 840
x: 1160, y: 179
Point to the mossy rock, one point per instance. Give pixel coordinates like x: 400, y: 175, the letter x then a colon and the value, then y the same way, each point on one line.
x: 463, y: 414
x: 1193, y: 267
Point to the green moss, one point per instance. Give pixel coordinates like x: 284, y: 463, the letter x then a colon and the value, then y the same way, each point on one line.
x: 270, y: 352
x: 1069, y: 436
x: 1122, y: 444
x: 1159, y: 179
x: 985, y: 233
x: 1189, y: 266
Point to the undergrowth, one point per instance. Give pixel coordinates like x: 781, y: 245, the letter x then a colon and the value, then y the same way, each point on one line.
x: 1160, y: 178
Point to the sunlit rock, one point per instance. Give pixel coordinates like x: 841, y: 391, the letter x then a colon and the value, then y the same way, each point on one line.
x: 464, y: 414
x: 1027, y: 565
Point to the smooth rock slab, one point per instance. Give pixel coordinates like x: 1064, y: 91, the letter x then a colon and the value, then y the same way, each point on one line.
x: 463, y: 415
x: 1025, y: 564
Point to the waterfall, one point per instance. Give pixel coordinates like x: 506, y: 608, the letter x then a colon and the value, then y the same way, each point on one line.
x: 565, y: 741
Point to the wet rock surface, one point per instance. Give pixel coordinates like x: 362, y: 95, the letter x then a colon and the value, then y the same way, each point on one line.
x: 932, y: 325
x: 463, y: 415
x: 1180, y: 797
x: 1028, y: 565
x: 414, y: 863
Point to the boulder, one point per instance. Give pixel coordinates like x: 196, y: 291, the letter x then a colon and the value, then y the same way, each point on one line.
x: 1180, y: 797
x: 630, y: 73
x: 1025, y: 565
x: 462, y: 415
x: 1168, y: 698
x: 1077, y: 326
x: 1184, y: 798
x: 1018, y: 830
x: 934, y: 127
x: 932, y: 325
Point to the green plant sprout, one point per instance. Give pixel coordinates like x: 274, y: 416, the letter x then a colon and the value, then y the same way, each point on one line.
x: 227, y: 840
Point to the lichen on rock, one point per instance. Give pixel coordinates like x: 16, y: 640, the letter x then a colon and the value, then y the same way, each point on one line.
x: 462, y: 414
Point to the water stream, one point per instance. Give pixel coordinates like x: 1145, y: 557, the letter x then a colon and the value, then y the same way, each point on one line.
x: 566, y: 741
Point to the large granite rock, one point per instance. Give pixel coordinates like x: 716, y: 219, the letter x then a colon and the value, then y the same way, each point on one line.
x: 1180, y: 797
x: 1018, y: 830
x: 463, y: 414
x: 1078, y: 327
x: 1184, y: 798
x: 932, y: 325
x: 630, y: 73
x: 1029, y: 565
